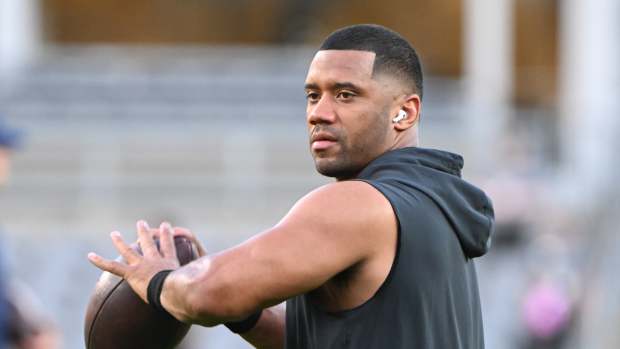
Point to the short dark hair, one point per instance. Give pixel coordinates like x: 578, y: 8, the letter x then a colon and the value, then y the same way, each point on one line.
x: 394, y: 54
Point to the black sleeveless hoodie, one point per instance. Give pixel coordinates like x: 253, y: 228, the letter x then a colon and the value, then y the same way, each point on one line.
x: 430, y: 298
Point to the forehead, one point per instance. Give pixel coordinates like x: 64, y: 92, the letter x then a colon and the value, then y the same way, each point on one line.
x: 341, y: 65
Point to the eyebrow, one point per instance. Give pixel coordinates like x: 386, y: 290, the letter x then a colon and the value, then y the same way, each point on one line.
x: 335, y: 86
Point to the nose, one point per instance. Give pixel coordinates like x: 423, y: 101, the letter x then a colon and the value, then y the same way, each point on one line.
x: 321, y: 112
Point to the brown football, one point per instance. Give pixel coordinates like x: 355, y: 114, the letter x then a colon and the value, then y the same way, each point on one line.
x: 116, y: 318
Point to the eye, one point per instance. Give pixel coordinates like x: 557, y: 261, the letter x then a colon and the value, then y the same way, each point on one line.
x: 312, y: 96
x: 345, y: 95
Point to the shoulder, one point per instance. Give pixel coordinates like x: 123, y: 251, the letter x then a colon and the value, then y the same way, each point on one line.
x: 346, y: 190
x: 347, y: 207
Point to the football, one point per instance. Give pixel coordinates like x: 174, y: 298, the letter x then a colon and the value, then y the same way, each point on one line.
x: 116, y: 318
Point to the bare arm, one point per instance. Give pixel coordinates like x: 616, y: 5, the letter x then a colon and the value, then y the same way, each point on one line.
x: 331, y: 229
x: 326, y: 232
x: 269, y: 331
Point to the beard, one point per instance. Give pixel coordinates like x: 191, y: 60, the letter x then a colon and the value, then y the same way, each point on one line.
x: 353, y: 152
x: 340, y: 166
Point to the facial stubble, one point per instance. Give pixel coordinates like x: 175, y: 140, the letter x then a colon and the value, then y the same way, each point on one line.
x: 368, y: 143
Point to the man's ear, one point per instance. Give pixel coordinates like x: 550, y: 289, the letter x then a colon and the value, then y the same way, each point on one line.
x: 411, y: 106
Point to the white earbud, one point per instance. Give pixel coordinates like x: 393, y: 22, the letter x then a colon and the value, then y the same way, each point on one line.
x: 401, y: 116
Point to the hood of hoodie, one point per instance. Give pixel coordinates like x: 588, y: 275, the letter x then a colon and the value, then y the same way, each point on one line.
x: 437, y: 174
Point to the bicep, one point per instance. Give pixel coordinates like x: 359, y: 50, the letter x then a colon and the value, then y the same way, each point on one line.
x: 326, y: 232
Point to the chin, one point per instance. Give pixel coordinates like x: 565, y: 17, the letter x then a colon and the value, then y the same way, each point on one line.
x: 338, y: 171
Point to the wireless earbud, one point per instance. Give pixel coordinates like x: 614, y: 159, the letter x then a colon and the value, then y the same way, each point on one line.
x: 401, y: 116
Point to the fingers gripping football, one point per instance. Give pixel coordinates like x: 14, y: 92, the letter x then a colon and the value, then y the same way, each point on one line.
x: 139, y: 269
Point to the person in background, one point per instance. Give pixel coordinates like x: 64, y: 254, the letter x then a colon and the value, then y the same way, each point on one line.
x: 8, y: 139
x: 22, y: 323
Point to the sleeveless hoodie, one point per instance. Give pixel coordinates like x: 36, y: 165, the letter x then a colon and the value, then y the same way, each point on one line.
x: 430, y: 298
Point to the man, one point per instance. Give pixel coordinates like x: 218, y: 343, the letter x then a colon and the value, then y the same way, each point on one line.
x: 381, y: 258
x: 22, y: 323
x: 8, y: 139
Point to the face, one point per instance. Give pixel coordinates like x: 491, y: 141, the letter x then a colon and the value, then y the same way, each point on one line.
x: 348, y: 111
x: 4, y: 165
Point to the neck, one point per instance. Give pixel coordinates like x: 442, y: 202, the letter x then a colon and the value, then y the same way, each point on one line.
x: 407, y: 138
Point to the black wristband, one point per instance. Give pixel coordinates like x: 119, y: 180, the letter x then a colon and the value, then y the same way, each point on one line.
x: 245, y: 325
x: 153, y: 292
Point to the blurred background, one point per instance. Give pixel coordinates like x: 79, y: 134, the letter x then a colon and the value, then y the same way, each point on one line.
x: 193, y: 111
